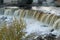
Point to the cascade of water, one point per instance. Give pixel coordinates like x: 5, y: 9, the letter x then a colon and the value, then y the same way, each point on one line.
x: 2, y: 11
x: 40, y: 16
x: 53, y: 19
x: 22, y: 13
x: 34, y: 14
x: 48, y: 18
x: 43, y: 18
x: 37, y: 15
x: 26, y: 13
x: 16, y: 13
x: 56, y: 24
x: 30, y: 13
x: 8, y: 12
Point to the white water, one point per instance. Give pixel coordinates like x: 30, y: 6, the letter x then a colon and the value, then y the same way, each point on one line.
x: 16, y: 13
x: 34, y: 26
x: 8, y: 12
x: 52, y: 10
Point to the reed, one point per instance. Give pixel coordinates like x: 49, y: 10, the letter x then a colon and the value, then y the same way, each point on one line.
x: 13, y: 32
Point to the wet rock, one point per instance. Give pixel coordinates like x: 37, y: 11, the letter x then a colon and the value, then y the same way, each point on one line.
x: 58, y: 38
x: 26, y: 4
x: 39, y: 38
x: 3, y: 18
x: 52, y: 30
x: 44, y: 25
x: 50, y: 37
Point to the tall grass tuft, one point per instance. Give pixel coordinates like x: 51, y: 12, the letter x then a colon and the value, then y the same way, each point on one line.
x: 14, y: 31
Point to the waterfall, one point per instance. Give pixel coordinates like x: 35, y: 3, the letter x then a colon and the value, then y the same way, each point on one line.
x: 26, y: 13
x: 8, y: 12
x: 22, y: 13
x: 48, y: 18
x: 17, y: 12
x: 31, y: 13
x: 56, y: 24
x: 43, y: 18
x: 37, y: 15
x: 34, y: 14
x: 53, y: 19
x: 41, y: 14
x: 2, y: 11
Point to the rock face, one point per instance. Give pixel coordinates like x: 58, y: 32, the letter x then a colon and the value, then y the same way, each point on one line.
x: 1, y: 1
x: 25, y: 3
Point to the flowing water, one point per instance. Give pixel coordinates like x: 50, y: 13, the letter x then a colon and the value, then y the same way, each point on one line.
x: 43, y: 18
x: 48, y: 18
x: 8, y: 12
x: 56, y: 25
x: 16, y: 13
x: 36, y: 21
x: 53, y: 19
x: 34, y: 14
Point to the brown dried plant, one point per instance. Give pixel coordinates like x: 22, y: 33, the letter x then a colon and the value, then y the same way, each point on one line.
x: 13, y: 32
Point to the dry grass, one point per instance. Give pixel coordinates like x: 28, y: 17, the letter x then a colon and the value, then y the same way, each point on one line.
x: 13, y: 32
